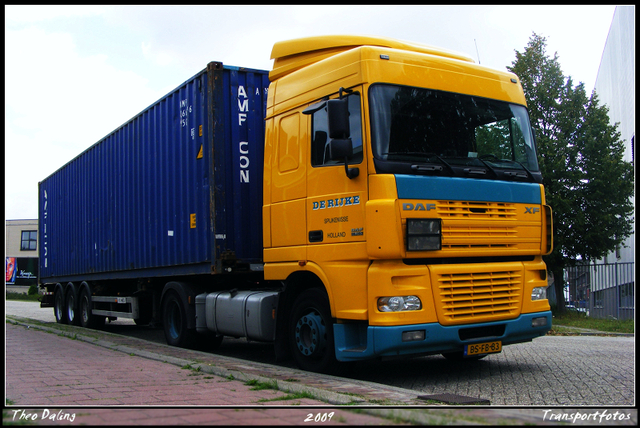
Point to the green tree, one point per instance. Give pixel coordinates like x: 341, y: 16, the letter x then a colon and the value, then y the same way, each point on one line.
x: 587, y: 182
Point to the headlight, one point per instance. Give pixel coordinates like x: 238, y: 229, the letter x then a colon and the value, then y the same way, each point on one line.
x: 424, y: 234
x: 539, y: 293
x: 399, y: 303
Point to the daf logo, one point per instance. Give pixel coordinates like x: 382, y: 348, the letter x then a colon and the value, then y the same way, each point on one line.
x: 531, y: 210
x: 417, y: 207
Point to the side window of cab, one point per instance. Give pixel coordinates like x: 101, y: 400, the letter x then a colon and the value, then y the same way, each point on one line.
x: 320, y: 134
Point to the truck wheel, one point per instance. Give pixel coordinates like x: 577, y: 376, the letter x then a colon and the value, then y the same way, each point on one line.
x: 87, y: 319
x: 174, y: 321
x: 59, y: 306
x: 311, y: 332
x: 71, y: 306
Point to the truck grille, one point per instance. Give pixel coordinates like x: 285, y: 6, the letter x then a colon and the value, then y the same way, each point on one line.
x: 477, y: 210
x: 470, y: 237
x: 464, y: 229
x: 478, y: 296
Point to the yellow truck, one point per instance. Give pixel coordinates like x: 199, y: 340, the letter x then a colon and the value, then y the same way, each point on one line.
x: 402, y: 202
x: 366, y: 198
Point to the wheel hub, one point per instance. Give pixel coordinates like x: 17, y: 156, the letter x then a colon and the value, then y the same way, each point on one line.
x: 310, y: 334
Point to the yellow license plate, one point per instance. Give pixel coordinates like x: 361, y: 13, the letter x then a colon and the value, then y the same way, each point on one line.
x: 483, y: 348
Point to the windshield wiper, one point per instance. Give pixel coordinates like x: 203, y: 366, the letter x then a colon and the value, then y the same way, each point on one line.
x: 428, y: 156
x: 523, y: 167
x: 488, y: 167
x: 445, y: 163
x: 508, y: 173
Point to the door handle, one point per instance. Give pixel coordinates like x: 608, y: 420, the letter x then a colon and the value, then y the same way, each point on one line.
x: 315, y: 236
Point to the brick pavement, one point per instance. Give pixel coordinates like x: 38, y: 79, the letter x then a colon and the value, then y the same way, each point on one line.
x: 50, y: 372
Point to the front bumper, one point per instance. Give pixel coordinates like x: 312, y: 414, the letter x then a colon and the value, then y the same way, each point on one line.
x: 356, y: 341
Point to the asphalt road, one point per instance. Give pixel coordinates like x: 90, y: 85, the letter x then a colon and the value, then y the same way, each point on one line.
x: 550, y: 371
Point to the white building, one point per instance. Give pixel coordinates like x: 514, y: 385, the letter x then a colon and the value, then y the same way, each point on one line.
x: 616, y: 87
x: 610, y: 283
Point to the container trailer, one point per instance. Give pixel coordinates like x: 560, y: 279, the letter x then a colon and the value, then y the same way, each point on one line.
x: 366, y: 198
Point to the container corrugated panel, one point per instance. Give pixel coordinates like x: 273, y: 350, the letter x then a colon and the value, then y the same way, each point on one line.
x: 170, y: 192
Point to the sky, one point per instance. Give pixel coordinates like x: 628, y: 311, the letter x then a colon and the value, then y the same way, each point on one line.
x: 73, y: 74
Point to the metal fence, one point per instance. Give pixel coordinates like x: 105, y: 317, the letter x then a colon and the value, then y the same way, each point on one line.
x: 603, y: 290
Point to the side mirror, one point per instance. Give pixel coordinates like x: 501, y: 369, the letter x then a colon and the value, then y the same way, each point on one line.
x: 338, y: 117
x: 340, y: 145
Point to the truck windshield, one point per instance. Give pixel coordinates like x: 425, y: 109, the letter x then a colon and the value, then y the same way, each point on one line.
x: 416, y: 130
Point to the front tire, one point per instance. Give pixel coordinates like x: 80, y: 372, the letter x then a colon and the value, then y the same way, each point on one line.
x: 311, y: 332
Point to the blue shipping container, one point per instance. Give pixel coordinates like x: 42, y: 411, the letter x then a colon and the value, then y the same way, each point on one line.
x: 174, y: 191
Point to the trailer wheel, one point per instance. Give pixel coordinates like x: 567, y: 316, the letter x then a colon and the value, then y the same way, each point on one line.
x: 59, y: 305
x: 311, y: 332
x: 174, y: 321
x: 71, y: 306
x: 87, y: 319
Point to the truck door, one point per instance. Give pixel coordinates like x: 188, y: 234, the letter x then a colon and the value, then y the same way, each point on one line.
x: 335, y: 202
x: 288, y: 185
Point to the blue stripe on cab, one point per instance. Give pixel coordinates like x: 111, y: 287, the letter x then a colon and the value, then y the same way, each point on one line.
x: 466, y: 189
